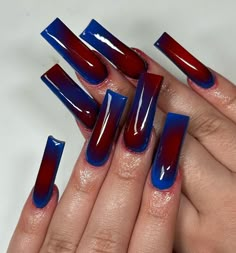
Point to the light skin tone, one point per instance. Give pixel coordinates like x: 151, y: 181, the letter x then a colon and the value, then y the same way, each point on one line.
x: 206, y: 219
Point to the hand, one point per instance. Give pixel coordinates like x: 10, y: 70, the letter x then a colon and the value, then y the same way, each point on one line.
x: 109, y: 204
x: 206, y: 221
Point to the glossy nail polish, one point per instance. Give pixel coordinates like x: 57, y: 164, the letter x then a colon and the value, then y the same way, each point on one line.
x: 192, y: 67
x: 80, y: 104
x: 165, y: 165
x: 47, y: 172
x: 124, y: 58
x: 79, y: 56
x: 104, y: 132
x: 140, y: 121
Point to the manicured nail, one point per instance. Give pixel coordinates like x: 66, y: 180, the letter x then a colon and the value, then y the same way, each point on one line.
x: 140, y: 121
x: 80, y: 104
x: 47, y: 172
x: 124, y: 58
x: 192, y: 67
x: 104, y: 132
x: 165, y: 165
x: 79, y: 56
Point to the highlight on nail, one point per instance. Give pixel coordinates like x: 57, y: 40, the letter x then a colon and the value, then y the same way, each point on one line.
x: 123, y: 57
x: 140, y: 121
x: 80, y: 104
x: 104, y: 132
x: 47, y: 172
x: 186, y: 62
x: 165, y: 166
x: 75, y: 52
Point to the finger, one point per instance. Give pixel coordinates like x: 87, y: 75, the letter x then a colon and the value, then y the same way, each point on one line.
x: 32, y: 226
x: 187, y: 226
x: 39, y: 207
x: 201, y: 173
x: 74, y: 208
x: 159, y: 208
x: 83, y: 107
x: 155, y: 227
x: 95, y: 74
x: 214, y: 88
x: 222, y: 95
x: 113, y: 216
x: 207, y: 124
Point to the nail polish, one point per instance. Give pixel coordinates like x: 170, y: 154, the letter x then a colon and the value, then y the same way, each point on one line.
x: 47, y: 172
x: 165, y: 166
x: 123, y: 57
x: 140, y: 121
x: 104, y: 132
x: 80, y: 104
x: 76, y: 53
x: 186, y: 62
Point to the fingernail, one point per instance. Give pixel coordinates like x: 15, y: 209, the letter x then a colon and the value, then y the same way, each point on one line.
x: 104, y: 132
x: 165, y: 165
x: 79, y: 56
x: 79, y: 103
x: 47, y: 172
x: 124, y: 58
x: 140, y: 121
x: 186, y: 62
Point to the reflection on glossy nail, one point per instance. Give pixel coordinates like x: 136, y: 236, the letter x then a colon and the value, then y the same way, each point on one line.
x: 104, y: 132
x: 140, y: 121
x: 71, y: 48
x: 47, y: 173
x: 80, y: 104
x: 165, y: 165
x: 124, y: 58
x: 192, y: 67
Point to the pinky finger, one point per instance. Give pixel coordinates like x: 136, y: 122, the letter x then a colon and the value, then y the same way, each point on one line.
x: 32, y: 226
x: 40, y: 205
x: 155, y: 227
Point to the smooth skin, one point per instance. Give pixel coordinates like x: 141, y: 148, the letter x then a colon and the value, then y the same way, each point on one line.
x: 111, y: 208
x: 207, y: 217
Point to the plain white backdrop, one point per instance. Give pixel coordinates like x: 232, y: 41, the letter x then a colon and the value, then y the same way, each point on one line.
x: 30, y: 112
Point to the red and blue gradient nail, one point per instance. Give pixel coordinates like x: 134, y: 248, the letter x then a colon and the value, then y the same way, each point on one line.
x: 165, y: 166
x: 140, y: 121
x: 124, y: 58
x: 104, y: 132
x: 80, y: 104
x: 186, y: 62
x: 79, y: 56
x: 47, y: 172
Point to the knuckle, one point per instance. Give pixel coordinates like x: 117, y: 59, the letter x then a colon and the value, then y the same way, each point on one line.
x: 58, y: 243
x: 206, y: 125
x: 105, y: 241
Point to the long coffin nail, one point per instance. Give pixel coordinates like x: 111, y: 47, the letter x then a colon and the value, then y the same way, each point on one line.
x: 165, y: 165
x: 47, y: 172
x: 80, y: 104
x: 192, y: 67
x: 79, y: 56
x: 124, y: 58
x: 140, y: 121
x: 104, y: 132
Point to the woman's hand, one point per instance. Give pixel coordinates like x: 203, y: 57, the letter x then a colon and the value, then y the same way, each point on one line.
x: 207, y: 216
x: 111, y: 203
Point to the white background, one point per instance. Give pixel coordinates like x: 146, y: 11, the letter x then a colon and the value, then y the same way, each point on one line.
x: 30, y: 112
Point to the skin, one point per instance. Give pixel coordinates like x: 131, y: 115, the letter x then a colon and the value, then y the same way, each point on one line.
x: 206, y: 218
